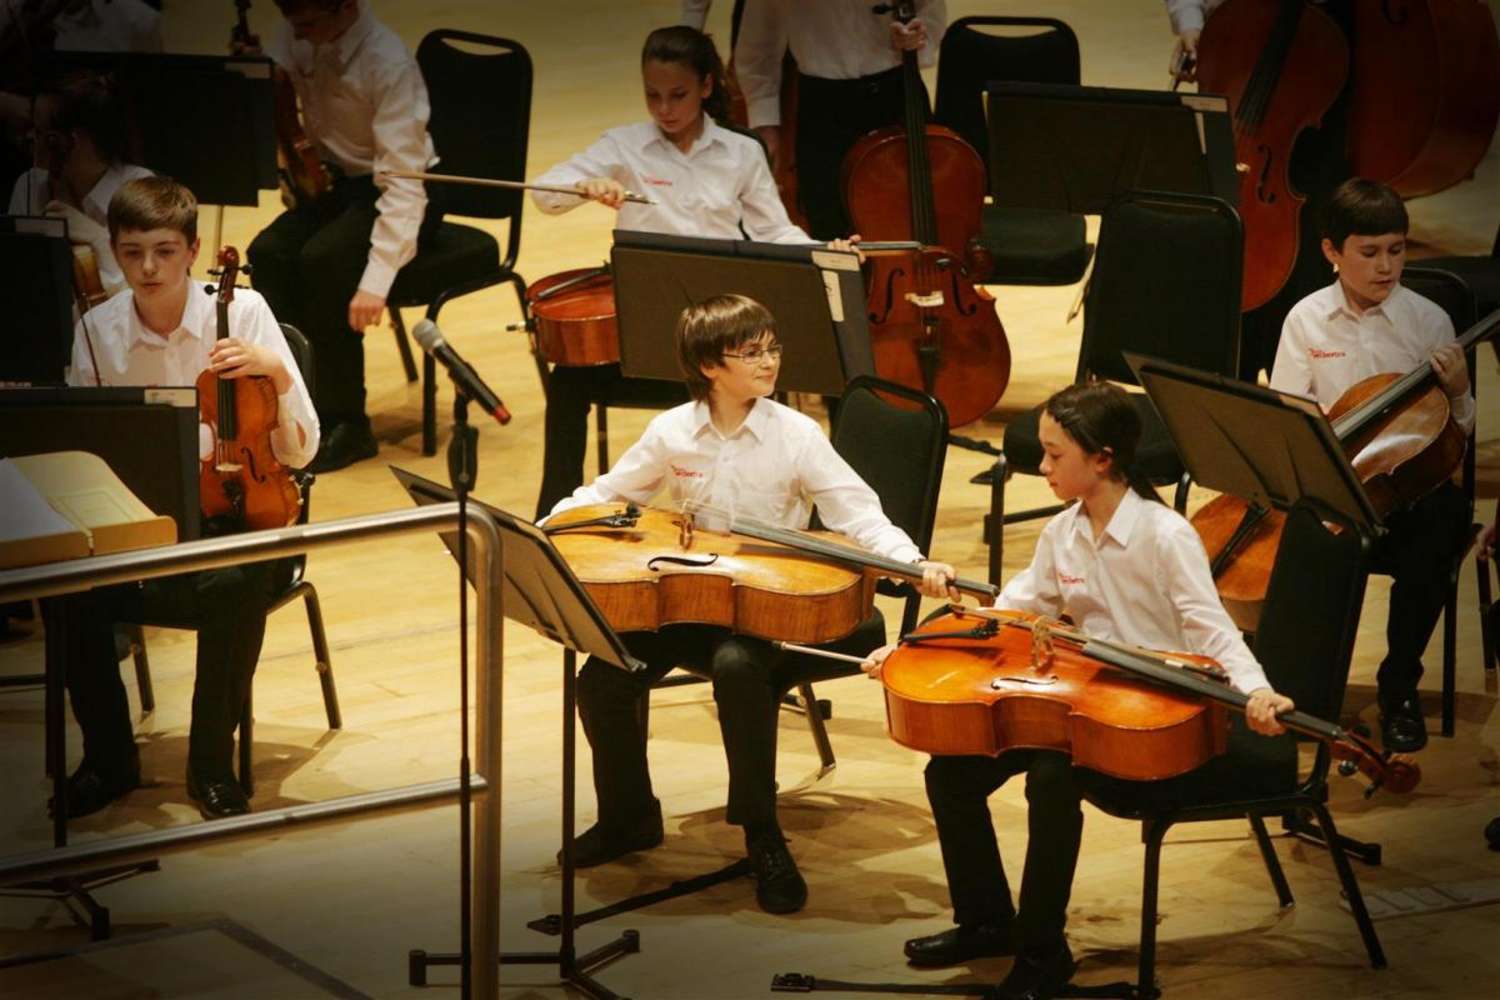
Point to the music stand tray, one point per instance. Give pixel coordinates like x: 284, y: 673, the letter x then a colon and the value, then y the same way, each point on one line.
x: 541, y: 592
x: 817, y: 296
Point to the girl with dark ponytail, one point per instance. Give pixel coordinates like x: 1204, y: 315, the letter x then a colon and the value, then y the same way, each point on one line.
x: 1122, y: 569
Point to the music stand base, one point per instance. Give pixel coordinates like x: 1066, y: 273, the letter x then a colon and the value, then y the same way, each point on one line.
x: 75, y: 892
x: 571, y: 971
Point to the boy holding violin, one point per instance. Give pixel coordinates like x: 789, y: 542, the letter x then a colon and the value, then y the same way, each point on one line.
x: 1365, y: 324
x: 730, y: 453
x: 163, y: 331
x: 1126, y: 568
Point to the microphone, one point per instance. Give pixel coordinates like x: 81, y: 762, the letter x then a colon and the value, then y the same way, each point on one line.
x: 467, y: 379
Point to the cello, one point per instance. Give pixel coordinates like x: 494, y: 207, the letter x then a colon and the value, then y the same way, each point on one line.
x: 931, y: 328
x: 986, y: 681
x: 1282, y: 64
x: 647, y: 568
x: 1396, y: 430
x: 242, y: 485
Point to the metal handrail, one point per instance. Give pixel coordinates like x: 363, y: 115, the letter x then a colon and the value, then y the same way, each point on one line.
x: 96, y: 571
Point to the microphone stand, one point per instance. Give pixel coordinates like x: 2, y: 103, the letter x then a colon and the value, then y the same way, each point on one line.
x: 463, y: 463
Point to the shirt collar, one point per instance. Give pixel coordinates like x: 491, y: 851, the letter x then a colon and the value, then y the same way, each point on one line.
x: 1338, y: 302
x: 757, y: 422
x: 712, y: 133
x: 347, y: 45
x: 1121, y: 524
x: 198, y: 317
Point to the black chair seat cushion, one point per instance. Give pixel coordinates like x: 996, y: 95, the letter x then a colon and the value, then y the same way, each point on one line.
x: 448, y: 256
x: 1155, y: 456
x: 1034, y: 246
x: 645, y: 393
x: 1481, y: 274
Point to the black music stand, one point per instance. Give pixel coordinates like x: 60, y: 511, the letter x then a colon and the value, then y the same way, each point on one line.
x: 817, y: 296
x: 1075, y: 149
x: 541, y: 592
x: 38, y: 258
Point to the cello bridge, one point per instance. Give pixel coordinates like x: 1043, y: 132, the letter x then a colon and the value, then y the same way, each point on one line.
x: 1042, y: 649
x: 926, y: 300
x: 685, y: 532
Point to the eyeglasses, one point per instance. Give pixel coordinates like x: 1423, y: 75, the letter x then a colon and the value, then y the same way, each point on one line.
x: 756, y: 355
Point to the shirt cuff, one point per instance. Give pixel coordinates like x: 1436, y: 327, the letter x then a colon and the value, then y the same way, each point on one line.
x: 1462, y: 410
x: 378, y: 278
x: 1190, y: 19
x: 764, y: 111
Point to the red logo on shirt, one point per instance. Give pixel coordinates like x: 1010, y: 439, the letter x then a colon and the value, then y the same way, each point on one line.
x: 1313, y: 352
x: 656, y: 181
x: 1069, y: 578
x: 682, y: 473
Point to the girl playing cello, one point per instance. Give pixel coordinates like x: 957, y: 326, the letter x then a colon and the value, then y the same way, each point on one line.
x: 1124, y: 567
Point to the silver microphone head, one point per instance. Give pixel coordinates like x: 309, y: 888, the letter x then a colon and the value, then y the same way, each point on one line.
x: 427, y: 334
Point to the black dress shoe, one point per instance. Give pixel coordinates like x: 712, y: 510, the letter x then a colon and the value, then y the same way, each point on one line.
x: 343, y: 444
x: 600, y: 844
x: 779, y: 887
x: 959, y: 944
x: 1402, y: 728
x: 1037, y: 974
x: 91, y: 789
x: 217, y: 797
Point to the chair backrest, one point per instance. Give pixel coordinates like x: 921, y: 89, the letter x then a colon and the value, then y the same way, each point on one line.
x: 302, y: 353
x: 896, y: 439
x: 970, y: 57
x: 1458, y: 300
x: 1166, y: 283
x: 479, y: 87
x: 1308, y: 623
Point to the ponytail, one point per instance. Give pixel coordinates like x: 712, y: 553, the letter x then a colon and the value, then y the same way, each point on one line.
x: 1100, y: 417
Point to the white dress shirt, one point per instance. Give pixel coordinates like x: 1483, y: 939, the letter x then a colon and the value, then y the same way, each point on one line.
x: 1145, y: 582
x: 32, y: 192
x: 695, y: 13
x: 109, y: 26
x: 719, y: 184
x: 1326, y: 347
x: 774, y: 468
x: 130, y: 354
x: 365, y: 107
x: 1189, y: 15
x: 831, y: 39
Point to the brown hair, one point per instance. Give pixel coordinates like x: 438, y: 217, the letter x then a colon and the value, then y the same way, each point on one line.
x: 1100, y: 417
x: 707, y: 329
x: 153, y: 203
x: 1360, y: 207
x: 89, y: 103
x: 685, y: 46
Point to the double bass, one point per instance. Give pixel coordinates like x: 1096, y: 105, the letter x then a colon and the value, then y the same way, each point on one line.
x: 931, y: 327
x: 987, y: 681
x: 1397, y: 432
x: 1282, y: 64
x: 242, y: 485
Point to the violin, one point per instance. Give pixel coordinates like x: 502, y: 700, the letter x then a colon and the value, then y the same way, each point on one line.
x: 648, y: 568
x: 571, y: 317
x: 1426, y: 92
x: 1282, y: 64
x: 305, y: 179
x: 1399, y: 436
x: 931, y: 327
x: 242, y: 485
x: 88, y: 286
x: 987, y: 681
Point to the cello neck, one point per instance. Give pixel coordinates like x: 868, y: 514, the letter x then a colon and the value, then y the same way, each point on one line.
x: 1267, y: 73
x: 1357, y: 419
x: 229, y: 265
x: 919, y: 170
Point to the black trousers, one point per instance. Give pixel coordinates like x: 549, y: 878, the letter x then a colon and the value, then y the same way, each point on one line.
x: 832, y: 115
x: 1418, y: 551
x: 226, y: 606
x: 749, y: 676
x: 959, y: 788
x: 571, y: 391
x: 307, y: 263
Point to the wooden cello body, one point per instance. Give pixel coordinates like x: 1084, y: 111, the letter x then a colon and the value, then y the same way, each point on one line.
x: 1426, y: 92
x: 931, y: 328
x: 242, y: 485
x: 1281, y: 63
x: 572, y: 316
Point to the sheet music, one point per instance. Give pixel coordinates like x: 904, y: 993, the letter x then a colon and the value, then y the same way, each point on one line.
x: 27, y: 514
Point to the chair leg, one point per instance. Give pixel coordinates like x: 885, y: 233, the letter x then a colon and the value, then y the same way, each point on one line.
x: 819, y: 731
x: 403, y: 344
x: 1351, y: 886
x: 142, y: 669
x: 1273, y: 863
x: 1450, y: 656
x: 1486, y: 633
x: 1153, y: 834
x: 247, y: 739
x: 997, y: 518
x: 325, y: 659
x: 601, y: 436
